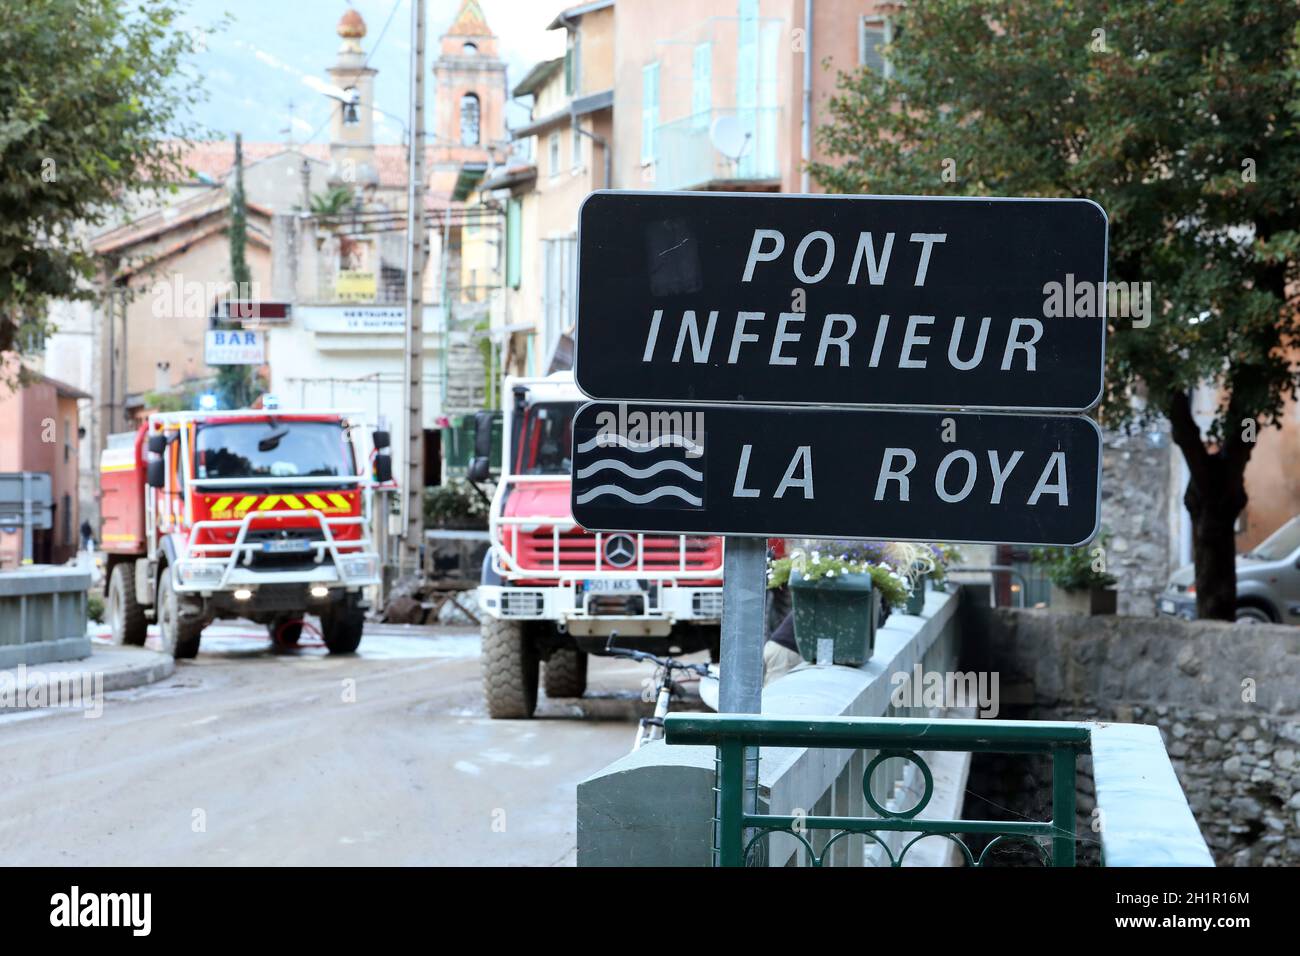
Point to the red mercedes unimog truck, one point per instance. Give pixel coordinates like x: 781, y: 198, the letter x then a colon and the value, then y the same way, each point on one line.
x: 260, y: 514
x: 551, y: 593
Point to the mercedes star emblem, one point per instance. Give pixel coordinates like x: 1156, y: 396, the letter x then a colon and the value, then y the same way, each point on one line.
x: 620, y: 550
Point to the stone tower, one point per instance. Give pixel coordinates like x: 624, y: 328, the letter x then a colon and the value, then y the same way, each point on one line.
x: 469, y: 96
x: 352, y: 127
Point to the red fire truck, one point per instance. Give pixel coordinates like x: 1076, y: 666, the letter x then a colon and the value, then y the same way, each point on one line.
x: 554, y: 593
x: 259, y: 514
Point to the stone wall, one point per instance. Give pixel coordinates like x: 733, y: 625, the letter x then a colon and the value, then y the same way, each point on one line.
x: 1225, y: 697
x: 1017, y: 787
x: 1135, y: 509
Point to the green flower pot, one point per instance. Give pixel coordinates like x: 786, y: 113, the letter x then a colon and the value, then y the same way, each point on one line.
x: 916, y: 603
x: 841, y: 610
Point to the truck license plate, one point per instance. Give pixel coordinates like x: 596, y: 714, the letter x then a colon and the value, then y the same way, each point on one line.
x: 1167, y: 606
x: 615, y: 586
x: 291, y: 546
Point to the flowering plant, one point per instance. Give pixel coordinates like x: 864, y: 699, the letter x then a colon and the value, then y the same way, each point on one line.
x: 942, y: 556
x: 893, y: 584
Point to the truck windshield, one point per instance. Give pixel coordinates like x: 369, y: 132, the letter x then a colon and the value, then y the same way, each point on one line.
x: 284, y: 449
x: 543, y: 439
x: 1280, y: 543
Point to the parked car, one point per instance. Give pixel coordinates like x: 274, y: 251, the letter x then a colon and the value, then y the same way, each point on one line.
x: 1268, y: 582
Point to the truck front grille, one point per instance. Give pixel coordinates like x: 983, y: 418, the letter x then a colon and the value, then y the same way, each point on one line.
x: 632, y: 605
x: 270, y: 597
x: 575, y: 551
x: 522, y: 603
x: 707, y: 604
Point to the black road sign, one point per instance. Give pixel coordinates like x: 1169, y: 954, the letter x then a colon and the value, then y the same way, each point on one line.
x: 837, y: 473
x: 842, y: 300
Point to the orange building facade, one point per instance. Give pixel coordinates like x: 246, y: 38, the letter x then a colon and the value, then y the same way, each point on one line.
x: 40, y: 432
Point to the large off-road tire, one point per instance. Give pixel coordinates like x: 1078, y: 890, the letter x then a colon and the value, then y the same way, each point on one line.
x: 341, y: 626
x: 565, y: 673
x: 126, y: 621
x: 178, y: 638
x: 510, y: 669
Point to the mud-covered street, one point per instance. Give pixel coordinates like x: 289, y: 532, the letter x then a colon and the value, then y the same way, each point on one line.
x: 245, y: 756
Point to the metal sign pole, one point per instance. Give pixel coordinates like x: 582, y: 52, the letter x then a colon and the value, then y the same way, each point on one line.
x: 27, y: 517
x: 744, y: 626
x: 744, y: 631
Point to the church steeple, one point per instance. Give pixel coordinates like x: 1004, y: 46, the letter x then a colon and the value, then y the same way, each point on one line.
x: 470, y: 28
x: 352, y: 129
x: 469, y: 98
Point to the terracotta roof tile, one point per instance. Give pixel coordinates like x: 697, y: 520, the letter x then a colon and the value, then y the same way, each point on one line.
x: 470, y: 21
x: 216, y: 159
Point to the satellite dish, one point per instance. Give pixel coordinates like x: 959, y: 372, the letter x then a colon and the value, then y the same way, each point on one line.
x: 728, y: 138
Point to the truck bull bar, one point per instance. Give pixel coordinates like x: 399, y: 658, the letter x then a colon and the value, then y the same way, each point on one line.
x: 356, y: 567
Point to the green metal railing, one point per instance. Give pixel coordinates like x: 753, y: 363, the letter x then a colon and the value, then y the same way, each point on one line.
x: 738, y: 832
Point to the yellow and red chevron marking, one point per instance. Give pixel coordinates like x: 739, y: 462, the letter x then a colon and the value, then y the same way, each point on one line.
x: 228, y: 507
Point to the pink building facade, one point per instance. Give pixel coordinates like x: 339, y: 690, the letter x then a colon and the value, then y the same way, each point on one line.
x: 40, y: 432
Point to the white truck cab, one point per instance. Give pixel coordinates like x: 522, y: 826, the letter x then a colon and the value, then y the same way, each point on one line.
x: 552, y: 592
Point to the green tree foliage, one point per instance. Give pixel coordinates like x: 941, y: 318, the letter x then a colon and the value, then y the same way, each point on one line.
x: 235, y: 384
x: 168, y: 401
x: 90, y: 95
x: 1180, y: 119
x: 240, y: 274
x: 1077, y: 569
x: 455, y: 504
x: 333, y: 202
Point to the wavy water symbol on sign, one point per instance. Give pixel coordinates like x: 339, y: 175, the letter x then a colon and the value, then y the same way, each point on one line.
x: 615, y: 440
x: 680, y: 481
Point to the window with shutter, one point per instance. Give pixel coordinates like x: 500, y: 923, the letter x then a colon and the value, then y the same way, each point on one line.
x: 701, y: 84
x: 469, y: 119
x: 873, y: 39
x: 875, y: 33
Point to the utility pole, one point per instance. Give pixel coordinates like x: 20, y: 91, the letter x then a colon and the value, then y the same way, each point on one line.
x: 126, y: 356
x: 413, y: 490
x: 110, y: 419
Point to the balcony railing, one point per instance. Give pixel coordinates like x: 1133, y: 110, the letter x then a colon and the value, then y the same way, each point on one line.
x: 687, y: 158
x: 1147, y: 819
